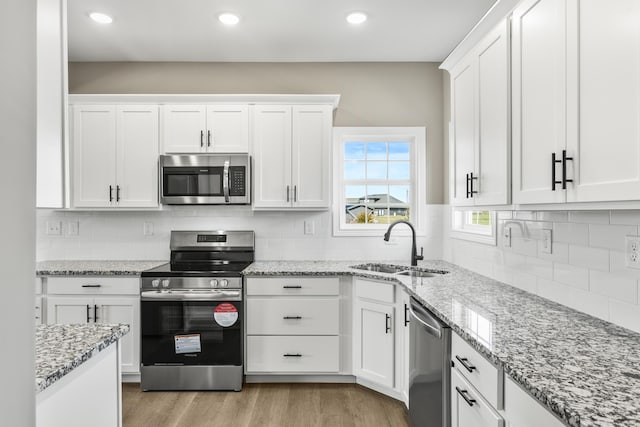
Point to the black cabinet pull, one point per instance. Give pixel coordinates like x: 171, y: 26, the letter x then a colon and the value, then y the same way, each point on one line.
x: 464, y: 393
x: 406, y: 317
x: 88, y: 311
x: 292, y: 287
x: 117, y: 193
x: 467, y: 175
x: 387, y: 324
x: 292, y: 355
x: 95, y: 313
x: 287, y: 193
x: 92, y: 286
x: 201, y: 138
x: 110, y: 193
x: 292, y: 317
x: 553, y: 172
x: 471, y: 190
x: 208, y: 138
x: 564, y: 169
x: 464, y: 363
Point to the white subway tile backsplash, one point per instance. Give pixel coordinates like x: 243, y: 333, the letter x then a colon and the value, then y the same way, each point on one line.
x: 589, y: 217
x: 577, y: 277
x: 617, y: 265
x: 524, y: 215
x: 559, y: 252
x: 610, y: 236
x: 594, y: 258
x: 625, y: 315
x: 612, y: 285
x: 504, y: 215
x: 577, y: 234
x: 526, y: 282
x: 625, y: 217
x: 539, y: 267
x: 552, y: 216
x: 584, y: 301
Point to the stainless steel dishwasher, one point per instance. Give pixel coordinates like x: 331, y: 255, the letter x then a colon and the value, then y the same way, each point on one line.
x: 429, y: 369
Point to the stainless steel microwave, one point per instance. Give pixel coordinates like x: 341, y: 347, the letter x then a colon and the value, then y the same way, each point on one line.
x: 205, y: 179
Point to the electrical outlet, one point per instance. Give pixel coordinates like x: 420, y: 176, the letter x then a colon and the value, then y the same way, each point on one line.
x: 309, y: 227
x: 147, y: 228
x: 547, y: 241
x: 633, y: 251
x: 506, y: 237
x: 73, y: 228
x: 54, y: 228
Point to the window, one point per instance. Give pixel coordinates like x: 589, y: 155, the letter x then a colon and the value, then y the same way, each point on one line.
x: 376, y: 178
x: 478, y: 226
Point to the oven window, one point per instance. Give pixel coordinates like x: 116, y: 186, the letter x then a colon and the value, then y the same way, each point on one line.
x: 167, y: 323
x: 192, y: 181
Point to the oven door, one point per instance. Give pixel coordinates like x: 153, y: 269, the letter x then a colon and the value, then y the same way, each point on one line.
x: 184, y: 332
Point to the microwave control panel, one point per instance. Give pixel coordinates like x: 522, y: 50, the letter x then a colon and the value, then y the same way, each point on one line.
x: 237, y: 178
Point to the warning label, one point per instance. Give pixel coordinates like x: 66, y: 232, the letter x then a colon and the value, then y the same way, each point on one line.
x: 225, y: 314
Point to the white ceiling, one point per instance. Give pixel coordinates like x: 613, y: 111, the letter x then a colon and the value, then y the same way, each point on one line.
x: 270, y: 30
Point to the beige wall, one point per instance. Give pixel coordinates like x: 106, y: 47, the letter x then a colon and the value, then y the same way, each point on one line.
x: 372, y: 94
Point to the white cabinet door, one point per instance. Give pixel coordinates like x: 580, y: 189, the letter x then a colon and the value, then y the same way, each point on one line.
x: 463, y: 130
x: 403, y: 337
x: 271, y: 139
x: 522, y: 410
x: 492, y: 147
x: 184, y: 128
x: 94, y: 155
x: 137, y: 156
x: 606, y: 41
x: 312, y: 126
x: 538, y: 98
x: 123, y: 310
x: 69, y: 310
x: 228, y: 128
x: 374, y: 348
x: 468, y: 408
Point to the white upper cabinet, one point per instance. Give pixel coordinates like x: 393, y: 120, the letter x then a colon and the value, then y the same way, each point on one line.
x: 480, y: 123
x: 214, y: 128
x: 604, y: 51
x: 291, y: 154
x: 115, y: 156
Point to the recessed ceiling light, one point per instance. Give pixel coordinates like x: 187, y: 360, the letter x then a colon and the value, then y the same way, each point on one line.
x: 101, y: 18
x: 229, y: 19
x: 356, y: 18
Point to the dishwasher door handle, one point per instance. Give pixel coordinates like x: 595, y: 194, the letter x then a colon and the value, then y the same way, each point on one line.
x: 432, y: 330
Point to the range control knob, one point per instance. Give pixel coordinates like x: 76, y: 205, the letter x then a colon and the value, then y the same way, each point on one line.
x: 224, y: 283
x: 165, y: 283
x: 213, y: 283
x: 155, y: 283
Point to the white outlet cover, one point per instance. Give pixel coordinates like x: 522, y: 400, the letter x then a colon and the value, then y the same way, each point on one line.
x: 547, y: 242
x: 73, y: 228
x: 309, y: 227
x: 147, y: 228
x: 54, y: 228
x: 632, y: 252
x: 506, y: 237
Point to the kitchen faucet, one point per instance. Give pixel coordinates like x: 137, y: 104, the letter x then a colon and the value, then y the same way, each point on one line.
x: 414, y: 254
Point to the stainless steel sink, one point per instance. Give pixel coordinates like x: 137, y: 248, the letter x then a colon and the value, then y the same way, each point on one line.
x: 380, y: 268
x: 418, y: 273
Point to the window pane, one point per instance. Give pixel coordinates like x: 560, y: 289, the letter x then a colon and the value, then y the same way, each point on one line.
x: 399, y: 170
x: 356, y: 192
x: 382, y: 216
x: 377, y: 195
x: 354, y: 204
x: 354, y: 150
x: 399, y: 193
x: 398, y: 151
x: 353, y: 170
x: 377, y: 170
x: 377, y: 151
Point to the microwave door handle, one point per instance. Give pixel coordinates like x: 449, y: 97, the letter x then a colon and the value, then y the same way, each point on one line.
x: 225, y: 181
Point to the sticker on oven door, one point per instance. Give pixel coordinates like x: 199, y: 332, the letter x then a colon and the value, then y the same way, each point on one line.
x: 187, y: 343
x: 225, y: 314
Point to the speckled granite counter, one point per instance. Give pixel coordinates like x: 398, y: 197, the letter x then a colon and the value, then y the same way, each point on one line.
x: 62, y: 348
x: 585, y: 370
x: 94, y: 268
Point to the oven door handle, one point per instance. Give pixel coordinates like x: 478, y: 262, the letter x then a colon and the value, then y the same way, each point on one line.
x: 225, y: 181
x: 227, y: 295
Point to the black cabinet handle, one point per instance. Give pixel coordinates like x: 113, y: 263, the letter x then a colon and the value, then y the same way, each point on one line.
x: 467, y: 175
x: 464, y: 393
x: 292, y: 317
x: 287, y: 193
x: 88, y: 311
x: 295, y: 193
x: 292, y: 287
x: 201, y: 138
x: 95, y: 313
x: 208, y: 138
x: 553, y: 171
x: 117, y: 193
x: 92, y: 286
x: 406, y: 317
x: 111, y: 193
x: 464, y: 361
x: 564, y: 169
x: 292, y: 355
x: 471, y: 190
x: 387, y: 324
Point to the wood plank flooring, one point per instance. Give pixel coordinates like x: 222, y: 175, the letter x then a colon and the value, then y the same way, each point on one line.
x: 277, y: 405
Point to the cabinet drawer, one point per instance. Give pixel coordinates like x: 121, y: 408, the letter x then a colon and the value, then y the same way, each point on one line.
x: 377, y: 291
x: 481, y: 373
x: 293, y: 286
x: 278, y: 354
x: 468, y: 408
x: 92, y: 285
x: 293, y: 316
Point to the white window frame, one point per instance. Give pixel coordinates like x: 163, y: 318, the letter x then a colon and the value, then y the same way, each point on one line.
x: 464, y: 230
x: 416, y: 137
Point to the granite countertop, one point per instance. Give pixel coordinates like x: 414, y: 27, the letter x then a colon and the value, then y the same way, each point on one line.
x: 94, y: 268
x: 585, y: 370
x: 62, y: 348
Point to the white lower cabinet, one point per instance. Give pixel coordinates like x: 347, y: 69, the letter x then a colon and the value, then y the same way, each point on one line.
x: 99, y: 300
x: 522, y: 410
x: 468, y: 407
x: 293, y: 325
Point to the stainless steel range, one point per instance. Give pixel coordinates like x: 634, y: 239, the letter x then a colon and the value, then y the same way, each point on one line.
x: 192, y: 313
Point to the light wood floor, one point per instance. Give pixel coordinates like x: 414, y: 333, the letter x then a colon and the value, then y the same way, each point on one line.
x: 277, y: 405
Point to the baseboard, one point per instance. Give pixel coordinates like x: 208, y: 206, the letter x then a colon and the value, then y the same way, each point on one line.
x: 340, y: 379
x: 130, y: 377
